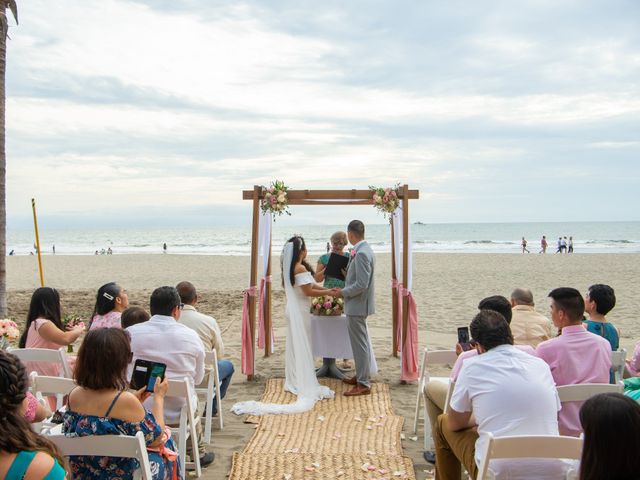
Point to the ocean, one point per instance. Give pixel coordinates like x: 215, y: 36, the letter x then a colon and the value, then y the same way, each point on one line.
x: 589, y: 237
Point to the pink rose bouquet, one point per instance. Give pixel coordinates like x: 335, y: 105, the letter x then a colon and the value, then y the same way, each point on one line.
x: 327, y: 305
x: 274, y: 198
x: 8, y: 332
x: 386, y: 200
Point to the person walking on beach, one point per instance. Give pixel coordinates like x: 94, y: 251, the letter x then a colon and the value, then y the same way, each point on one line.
x: 543, y: 244
x: 570, y: 245
x: 563, y: 245
x: 164, y: 248
x: 559, y: 250
x: 524, y: 245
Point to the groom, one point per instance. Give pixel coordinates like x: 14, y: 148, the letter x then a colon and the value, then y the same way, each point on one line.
x: 358, y: 300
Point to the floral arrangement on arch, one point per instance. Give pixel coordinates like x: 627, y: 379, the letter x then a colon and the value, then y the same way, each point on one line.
x: 386, y: 200
x: 8, y: 332
x: 327, y: 305
x: 274, y: 198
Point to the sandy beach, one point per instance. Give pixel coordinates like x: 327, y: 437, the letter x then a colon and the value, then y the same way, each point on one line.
x: 447, y: 288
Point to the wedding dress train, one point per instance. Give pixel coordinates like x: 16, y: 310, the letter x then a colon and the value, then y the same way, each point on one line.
x: 300, y: 375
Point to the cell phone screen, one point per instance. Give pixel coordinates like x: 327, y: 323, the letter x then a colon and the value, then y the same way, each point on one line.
x: 463, y: 335
x: 157, y: 371
x: 140, y: 374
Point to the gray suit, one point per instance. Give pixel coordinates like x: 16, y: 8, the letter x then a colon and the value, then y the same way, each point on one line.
x: 358, y: 296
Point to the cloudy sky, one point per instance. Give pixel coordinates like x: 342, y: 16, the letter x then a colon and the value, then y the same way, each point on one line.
x: 160, y: 112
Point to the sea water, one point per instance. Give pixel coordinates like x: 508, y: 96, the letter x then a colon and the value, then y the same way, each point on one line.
x: 588, y: 237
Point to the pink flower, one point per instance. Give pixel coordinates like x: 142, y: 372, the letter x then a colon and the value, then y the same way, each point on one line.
x: 317, y: 306
x: 394, y: 194
x: 327, y: 305
x: 353, y: 253
x: 273, y: 200
x: 385, y: 199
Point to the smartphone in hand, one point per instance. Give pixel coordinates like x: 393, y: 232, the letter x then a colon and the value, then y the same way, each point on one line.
x: 145, y: 373
x: 463, y: 338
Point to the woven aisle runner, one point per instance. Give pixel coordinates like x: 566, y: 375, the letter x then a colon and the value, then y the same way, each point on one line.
x: 343, y: 438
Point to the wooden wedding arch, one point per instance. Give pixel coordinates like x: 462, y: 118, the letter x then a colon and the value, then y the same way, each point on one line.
x: 328, y: 197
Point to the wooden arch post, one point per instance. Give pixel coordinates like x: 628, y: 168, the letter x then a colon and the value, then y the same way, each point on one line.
x: 325, y: 198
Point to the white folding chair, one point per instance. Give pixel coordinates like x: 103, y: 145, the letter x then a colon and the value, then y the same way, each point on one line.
x: 43, y: 386
x: 527, y: 446
x: 45, y: 355
x: 618, y: 363
x: 108, y: 446
x: 432, y: 357
x: 211, y: 394
x: 583, y: 391
x: 187, y: 425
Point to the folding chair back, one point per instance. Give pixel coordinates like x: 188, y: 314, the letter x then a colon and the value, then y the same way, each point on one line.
x: 617, y: 364
x: 43, y: 386
x: 211, y: 394
x: 45, y: 355
x: 187, y: 425
x: 583, y: 391
x: 108, y: 446
x: 430, y: 357
x: 528, y: 446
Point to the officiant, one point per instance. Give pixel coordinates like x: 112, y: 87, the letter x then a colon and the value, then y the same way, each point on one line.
x: 332, y: 277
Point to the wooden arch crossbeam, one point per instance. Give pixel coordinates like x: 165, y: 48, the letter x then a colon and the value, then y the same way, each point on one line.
x: 324, y: 198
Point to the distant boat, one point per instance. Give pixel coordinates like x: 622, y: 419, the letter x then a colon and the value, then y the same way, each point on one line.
x: 419, y: 223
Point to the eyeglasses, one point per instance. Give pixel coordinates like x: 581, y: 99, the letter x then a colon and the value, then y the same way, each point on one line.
x: 181, y: 306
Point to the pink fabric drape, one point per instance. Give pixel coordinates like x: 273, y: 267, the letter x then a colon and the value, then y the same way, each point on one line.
x: 261, y: 314
x: 247, y: 343
x: 409, y: 367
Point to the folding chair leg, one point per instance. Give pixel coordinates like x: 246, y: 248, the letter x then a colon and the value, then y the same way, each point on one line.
x: 416, y: 415
x: 195, y: 452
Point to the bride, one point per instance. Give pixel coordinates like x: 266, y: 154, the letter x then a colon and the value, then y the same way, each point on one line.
x: 300, y: 375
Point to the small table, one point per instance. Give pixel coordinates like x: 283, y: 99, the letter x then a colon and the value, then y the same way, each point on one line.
x: 330, y: 339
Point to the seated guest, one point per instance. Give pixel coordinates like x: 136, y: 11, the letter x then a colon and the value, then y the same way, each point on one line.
x: 502, y: 391
x: 44, y: 329
x: 611, y: 424
x: 23, y: 453
x: 576, y: 356
x: 209, y: 332
x: 633, y: 364
x: 600, y: 300
x: 164, y: 339
x: 111, y: 301
x: 101, y: 405
x: 528, y: 327
x: 133, y: 316
x: 437, y: 391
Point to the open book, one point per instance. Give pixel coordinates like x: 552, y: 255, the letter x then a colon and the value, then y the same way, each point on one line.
x: 335, y: 265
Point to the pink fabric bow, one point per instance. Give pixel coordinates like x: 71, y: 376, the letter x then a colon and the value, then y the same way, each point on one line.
x: 247, y: 341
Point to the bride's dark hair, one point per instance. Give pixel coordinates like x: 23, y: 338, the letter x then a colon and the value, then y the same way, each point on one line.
x: 298, y: 246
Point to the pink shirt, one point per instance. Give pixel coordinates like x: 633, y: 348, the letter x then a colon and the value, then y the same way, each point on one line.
x: 576, y: 356
x: 34, y: 340
x: 634, y: 364
x: 108, y: 320
x: 455, y: 371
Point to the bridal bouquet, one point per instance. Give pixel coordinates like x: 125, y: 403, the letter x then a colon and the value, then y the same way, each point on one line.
x: 327, y: 305
x: 70, y: 321
x: 275, y: 199
x: 385, y: 200
x: 8, y: 332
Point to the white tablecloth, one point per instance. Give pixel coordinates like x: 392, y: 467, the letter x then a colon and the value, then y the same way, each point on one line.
x: 330, y: 339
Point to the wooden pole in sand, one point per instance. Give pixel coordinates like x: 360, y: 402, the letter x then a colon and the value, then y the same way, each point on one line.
x: 394, y: 295
x: 405, y: 262
x: 35, y: 226
x: 253, y: 277
x: 267, y: 306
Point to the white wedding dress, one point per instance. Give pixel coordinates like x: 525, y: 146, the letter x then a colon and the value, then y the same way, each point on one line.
x: 300, y: 373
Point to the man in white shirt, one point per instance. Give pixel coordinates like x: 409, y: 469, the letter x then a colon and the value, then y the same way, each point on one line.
x: 504, y: 391
x: 162, y: 339
x: 527, y: 326
x: 209, y: 332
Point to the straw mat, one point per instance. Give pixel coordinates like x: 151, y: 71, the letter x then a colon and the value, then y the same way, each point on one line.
x: 378, y: 403
x: 335, y: 432
x: 344, y: 438
x: 320, y: 466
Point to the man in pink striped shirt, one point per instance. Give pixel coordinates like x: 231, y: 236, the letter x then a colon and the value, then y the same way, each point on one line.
x: 576, y: 356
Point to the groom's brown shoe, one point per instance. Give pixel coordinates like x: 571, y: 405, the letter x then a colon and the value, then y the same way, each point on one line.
x: 358, y: 390
x: 350, y: 381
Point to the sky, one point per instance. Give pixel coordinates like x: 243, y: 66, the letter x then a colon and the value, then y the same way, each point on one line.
x: 159, y: 113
